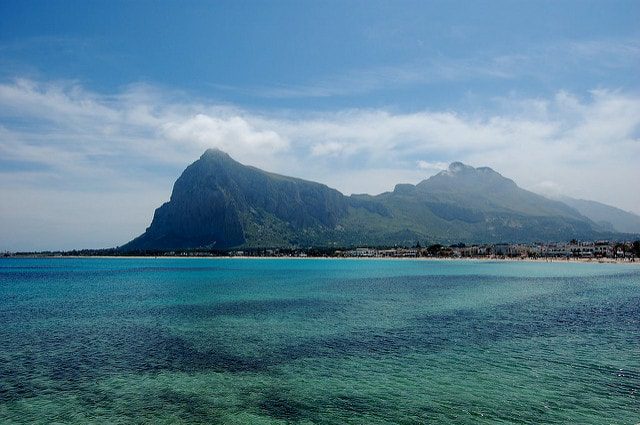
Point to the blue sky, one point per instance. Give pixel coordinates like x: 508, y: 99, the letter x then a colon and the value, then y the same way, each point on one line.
x: 102, y: 104
x: 323, y: 55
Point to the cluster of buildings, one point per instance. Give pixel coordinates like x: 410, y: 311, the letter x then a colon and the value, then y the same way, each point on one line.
x: 625, y: 251
x: 379, y: 253
x: 573, y: 249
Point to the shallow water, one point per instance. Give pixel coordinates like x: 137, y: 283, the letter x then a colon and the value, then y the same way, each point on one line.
x: 318, y: 341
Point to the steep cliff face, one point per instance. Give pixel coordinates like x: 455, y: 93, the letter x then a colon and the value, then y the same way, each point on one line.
x: 220, y: 203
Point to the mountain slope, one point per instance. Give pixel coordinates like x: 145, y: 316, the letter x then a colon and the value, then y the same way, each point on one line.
x: 465, y: 204
x: 220, y: 203
x: 486, y: 190
x: 616, y: 219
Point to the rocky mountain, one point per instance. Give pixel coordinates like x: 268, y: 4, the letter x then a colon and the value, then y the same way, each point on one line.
x: 609, y: 217
x: 220, y: 203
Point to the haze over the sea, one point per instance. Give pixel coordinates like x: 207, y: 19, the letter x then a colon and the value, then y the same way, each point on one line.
x: 103, y: 104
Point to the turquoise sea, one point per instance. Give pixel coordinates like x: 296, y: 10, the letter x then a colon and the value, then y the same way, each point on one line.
x: 239, y: 341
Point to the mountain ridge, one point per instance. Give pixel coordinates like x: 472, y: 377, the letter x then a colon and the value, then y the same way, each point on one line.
x: 607, y: 216
x: 218, y: 202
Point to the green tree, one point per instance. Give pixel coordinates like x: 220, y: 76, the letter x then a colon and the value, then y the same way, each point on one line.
x: 434, y: 249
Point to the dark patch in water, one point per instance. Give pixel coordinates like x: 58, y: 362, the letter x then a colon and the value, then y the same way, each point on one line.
x: 68, y: 354
x: 277, y: 405
x: 13, y: 388
x: 68, y: 357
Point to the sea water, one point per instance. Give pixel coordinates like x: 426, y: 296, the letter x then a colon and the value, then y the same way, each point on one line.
x: 318, y: 341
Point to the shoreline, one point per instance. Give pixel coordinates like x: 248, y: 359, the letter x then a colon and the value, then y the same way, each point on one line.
x: 435, y: 259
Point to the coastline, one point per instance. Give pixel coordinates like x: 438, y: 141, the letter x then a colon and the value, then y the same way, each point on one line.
x: 434, y: 259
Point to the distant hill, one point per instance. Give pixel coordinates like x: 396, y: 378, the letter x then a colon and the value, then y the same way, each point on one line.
x: 219, y: 203
x: 607, y: 216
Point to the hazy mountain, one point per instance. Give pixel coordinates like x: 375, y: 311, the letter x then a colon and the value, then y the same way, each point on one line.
x: 607, y: 216
x: 218, y: 202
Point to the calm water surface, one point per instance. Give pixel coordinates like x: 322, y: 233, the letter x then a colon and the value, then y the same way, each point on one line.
x: 318, y: 341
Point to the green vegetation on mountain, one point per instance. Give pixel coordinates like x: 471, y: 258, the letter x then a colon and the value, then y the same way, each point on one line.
x: 220, y: 203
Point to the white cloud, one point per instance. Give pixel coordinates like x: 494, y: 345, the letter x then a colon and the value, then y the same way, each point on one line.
x: 432, y: 166
x: 60, y: 138
x: 232, y: 134
x: 327, y: 149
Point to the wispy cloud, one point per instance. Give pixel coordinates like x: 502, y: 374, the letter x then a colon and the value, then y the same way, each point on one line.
x: 541, y: 62
x: 431, y: 166
x: 362, y: 81
x: 61, y: 141
x: 352, y: 82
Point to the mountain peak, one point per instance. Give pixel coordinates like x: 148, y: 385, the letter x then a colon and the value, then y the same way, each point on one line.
x: 460, y: 176
x: 214, y: 153
x: 458, y: 167
x: 214, y: 157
